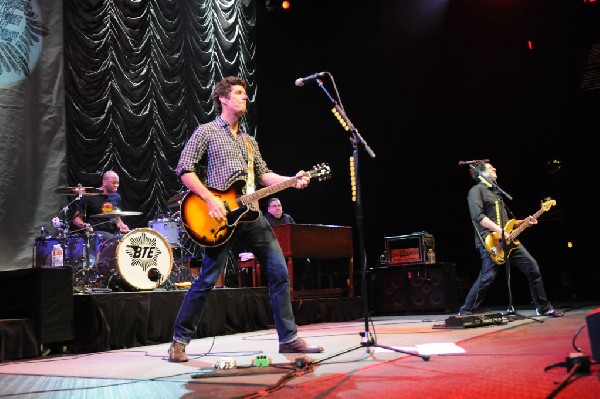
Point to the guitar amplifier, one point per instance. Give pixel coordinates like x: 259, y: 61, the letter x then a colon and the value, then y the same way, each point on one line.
x: 408, y: 249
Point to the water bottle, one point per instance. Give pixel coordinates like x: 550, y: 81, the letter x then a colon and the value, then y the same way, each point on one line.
x: 430, y: 256
x: 57, y: 255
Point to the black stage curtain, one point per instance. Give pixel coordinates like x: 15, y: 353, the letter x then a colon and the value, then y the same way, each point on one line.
x: 17, y: 339
x: 138, y: 79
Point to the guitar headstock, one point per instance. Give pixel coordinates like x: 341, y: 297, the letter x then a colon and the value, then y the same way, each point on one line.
x: 321, y: 172
x: 548, y: 203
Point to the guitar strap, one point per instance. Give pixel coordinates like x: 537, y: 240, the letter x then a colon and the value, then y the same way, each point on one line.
x: 250, y: 179
x: 250, y: 182
x: 481, y: 240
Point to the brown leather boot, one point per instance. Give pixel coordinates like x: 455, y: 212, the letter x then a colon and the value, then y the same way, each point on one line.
x: 177, y: 352
x: 299, y: 346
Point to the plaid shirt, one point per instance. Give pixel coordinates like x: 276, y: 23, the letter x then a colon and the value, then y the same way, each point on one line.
x: 218, y: 158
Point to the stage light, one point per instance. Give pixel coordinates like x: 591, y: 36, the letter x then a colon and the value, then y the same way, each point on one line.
x: 553, y: 165
x: 273, y: 5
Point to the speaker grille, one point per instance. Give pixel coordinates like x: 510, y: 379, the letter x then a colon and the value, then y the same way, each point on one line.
x: 416, y: 289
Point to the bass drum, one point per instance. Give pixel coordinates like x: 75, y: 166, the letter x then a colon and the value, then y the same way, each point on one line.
x: 139, y: 260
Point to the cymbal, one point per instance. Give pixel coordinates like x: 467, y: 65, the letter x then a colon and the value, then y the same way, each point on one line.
x: 77, y: 190
x: 174, y: 200
x: 115, y: 214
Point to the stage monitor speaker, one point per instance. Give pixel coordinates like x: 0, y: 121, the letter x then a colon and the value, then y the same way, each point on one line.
x: 388, y: 291
x: 54, y: 304
x: 593, y: 325
x: 42, y: 294
x: 419, y: 288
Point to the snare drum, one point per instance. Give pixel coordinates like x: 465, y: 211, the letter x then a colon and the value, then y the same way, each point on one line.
x: 169, y: 228
x: 139, y: 260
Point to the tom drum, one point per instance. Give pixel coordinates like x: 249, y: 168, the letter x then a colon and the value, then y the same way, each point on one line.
x: 169, y: 228
x: 75, y: 249
x: 139, y: 260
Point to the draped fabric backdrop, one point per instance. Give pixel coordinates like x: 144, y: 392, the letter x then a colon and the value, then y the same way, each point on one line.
x: 32, y: 135
x: 137, y: 81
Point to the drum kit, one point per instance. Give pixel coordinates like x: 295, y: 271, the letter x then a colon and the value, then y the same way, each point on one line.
x: 141, y: 259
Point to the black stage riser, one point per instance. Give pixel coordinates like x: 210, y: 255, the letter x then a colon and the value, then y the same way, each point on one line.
x: 44, y: 295
x: 96, y: 322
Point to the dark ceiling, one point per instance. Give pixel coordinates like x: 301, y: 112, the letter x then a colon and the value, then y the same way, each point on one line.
x: 426, y: 84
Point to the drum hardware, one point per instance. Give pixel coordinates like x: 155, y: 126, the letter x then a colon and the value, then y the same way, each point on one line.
x: 85, y: 274
x: 181, y: 272
x: 62, y: 225
x: 77, y: 250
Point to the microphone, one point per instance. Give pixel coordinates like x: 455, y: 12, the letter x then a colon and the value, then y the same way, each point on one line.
x: 474, y: 161
x: 154, y: 274
x: 300, y: 81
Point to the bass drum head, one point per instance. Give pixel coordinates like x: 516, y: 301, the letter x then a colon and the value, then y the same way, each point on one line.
x: 139, y: 260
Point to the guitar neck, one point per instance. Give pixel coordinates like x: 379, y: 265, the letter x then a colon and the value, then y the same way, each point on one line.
x: 524, y: 225
x: 321, y: 171
x: 247, y: 199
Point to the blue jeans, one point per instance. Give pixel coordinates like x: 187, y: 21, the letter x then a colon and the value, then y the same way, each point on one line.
x: 520, y: 258
x: 260, y: 239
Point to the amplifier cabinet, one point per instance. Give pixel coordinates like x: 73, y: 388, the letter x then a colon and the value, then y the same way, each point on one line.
x: 423, y: 288
x: 408, y: 249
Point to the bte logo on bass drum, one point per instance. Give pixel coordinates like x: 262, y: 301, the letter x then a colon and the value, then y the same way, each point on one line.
x: 140, y: 260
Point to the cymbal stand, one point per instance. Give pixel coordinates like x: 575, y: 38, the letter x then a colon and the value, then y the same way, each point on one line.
x: 88, y: 274
x: 181, y: 273
x: 62, y: 226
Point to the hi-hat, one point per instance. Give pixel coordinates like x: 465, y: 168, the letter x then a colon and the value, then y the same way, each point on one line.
x: 176, y: 199
x: 115, y: 214
x: 77, y: 190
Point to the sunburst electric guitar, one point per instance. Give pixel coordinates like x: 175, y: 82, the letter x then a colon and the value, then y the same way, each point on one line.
x: 208, y: 232
x: 493, y: 243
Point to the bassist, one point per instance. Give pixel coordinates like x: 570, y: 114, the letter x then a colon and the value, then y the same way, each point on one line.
x: 487, y: 213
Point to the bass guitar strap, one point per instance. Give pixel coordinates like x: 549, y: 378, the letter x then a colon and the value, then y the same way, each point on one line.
x: 481, y: 240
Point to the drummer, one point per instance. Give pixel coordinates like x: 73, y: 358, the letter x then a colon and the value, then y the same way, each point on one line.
x: 106, y: 201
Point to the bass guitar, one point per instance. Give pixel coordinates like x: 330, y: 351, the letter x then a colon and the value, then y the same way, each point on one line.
x: 208, y: 232
x: 493, y: 243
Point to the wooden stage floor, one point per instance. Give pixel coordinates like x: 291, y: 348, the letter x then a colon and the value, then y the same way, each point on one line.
x: 514, y: 359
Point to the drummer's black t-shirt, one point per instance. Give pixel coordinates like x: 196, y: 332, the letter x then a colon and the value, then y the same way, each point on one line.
x: 95, y: 204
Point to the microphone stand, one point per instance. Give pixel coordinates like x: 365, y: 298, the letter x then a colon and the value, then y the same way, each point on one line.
x: 511, y: 314
x: 367, y: 339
